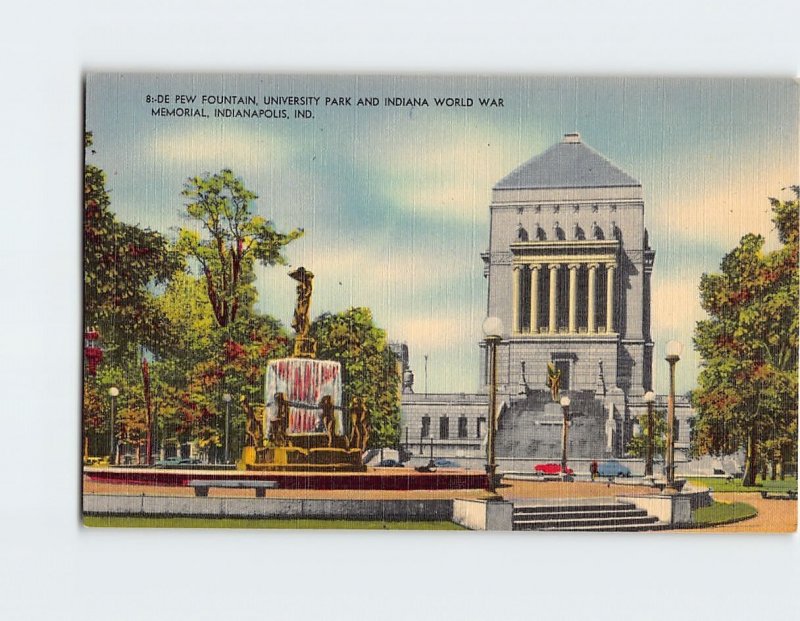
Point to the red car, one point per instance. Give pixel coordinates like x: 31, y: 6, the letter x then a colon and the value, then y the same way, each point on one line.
x: 551, y: 469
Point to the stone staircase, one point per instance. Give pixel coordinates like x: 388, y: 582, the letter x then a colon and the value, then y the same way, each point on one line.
x: 585, y: 514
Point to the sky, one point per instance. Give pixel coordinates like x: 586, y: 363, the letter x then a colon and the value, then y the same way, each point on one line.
x: 395, y: 200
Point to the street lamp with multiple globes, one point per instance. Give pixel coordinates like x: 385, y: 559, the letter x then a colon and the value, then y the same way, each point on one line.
x: 564, y: 434
x: 113, y: 392
x: 649, y: 399
x: 493, y: 332
x: 227, y: 399
x: 674, y: 349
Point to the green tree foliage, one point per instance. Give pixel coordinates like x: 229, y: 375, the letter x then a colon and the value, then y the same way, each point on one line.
x: 231, y: 239
x: 121, y: 264
x: 637, y: 445
x: 205, y: 361
x: 747, y: 393
x: 369, y: 368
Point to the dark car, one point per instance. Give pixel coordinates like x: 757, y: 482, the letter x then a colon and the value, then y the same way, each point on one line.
x: 177, y: 462
x: 445, y: 463
x: 551, y: 469
x: 612, y: 468
x: 389, y: 463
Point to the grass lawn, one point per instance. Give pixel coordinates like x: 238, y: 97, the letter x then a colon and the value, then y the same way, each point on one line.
x: 723, y: 513
x: 735, y: 485
x: 187, y: 522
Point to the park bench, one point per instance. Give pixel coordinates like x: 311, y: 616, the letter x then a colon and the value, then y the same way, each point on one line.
x: 787, y: 495
x: 201, y: 486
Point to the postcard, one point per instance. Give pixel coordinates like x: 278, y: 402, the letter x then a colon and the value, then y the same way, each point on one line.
x: 472, y: 302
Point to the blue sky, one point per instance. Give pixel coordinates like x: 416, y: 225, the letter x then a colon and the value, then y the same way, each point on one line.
x: 394, y: 201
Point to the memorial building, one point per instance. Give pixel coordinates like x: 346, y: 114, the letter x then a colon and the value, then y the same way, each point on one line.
x: 568, y: 272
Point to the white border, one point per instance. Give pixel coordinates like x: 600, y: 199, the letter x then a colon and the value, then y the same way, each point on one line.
x: 52, y: 568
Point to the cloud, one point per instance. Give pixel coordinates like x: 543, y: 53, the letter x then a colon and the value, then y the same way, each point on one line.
x: 675, y: 310
x: 216, y: 146
x: 719, y: 202
x: 675, y: 304
x: 436, y: 170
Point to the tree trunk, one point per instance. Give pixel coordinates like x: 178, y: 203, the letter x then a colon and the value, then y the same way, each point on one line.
x: 749, y: 478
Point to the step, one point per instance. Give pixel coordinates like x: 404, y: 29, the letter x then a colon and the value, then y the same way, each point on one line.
x: 570, y: 515
x: 628, y: 528
x: 577, y: 508
x: 556, y: 524
x: 583, y: 517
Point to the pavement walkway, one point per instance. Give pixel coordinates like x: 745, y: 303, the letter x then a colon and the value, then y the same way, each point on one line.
x: 511, y: 490
x: 774, y: 516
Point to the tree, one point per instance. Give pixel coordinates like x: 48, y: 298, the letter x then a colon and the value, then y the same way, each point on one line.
x: 747, y: 393
x: 369, y: 368
x: 637, y: 445
x: 121, y: 264
x: 204, y: 361
x: 234, y: 238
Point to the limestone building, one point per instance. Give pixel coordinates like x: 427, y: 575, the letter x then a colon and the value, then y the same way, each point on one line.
x: 568, y: 272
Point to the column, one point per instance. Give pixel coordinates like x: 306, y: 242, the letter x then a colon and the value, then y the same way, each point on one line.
x: 573, y: 296
x: 516, y: 316
x: 534, y: 299
x: 610, y: 269
x: 592, y: 295
x: 552, y: 327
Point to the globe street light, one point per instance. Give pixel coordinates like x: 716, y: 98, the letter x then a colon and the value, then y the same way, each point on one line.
x: 227, y: 399
x: 564, y: 433
x: 674, y: 349
x: 493, y: 332
x: 113, y: 392
x: 649, y: 398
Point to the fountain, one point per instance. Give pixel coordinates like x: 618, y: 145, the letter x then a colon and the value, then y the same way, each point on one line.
x: 303, y: 427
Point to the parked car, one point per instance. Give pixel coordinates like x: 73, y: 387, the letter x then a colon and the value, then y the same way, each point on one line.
x: 389, y: 463
x: 612, y: 468
x: 177, y: 462
x: 445, y: 463
x: 551, y: 469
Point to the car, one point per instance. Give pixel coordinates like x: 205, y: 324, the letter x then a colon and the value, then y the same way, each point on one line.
x: 445, y: 463
x: 551, y: 469
x: 168, y: 462
x: 389, y: 463
x: 177, y: 462
x: 612, y: 468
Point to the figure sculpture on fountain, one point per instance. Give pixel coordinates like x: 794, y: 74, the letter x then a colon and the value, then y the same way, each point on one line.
x: 304, y: 346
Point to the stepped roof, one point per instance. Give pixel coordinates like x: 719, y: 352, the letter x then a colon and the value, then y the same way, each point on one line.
x: 567, y: 164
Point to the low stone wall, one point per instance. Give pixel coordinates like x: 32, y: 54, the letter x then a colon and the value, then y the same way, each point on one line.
x: 276, y: 508
x: 482, y: 514
x: 673, y: 509
x: 698, y: 496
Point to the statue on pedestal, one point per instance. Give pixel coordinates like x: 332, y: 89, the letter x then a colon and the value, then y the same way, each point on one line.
x: 553, y: 380
x: 279, y: 424
x: 328, y: 418
x: 304, y: 347
x: 359, y: 428
x: 253, y: 427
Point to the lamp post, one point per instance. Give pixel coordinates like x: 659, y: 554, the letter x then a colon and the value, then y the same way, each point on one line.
x: 564, y: 433
x: 493, y: 332
x: 649, y: 398
x: 113, y: 392
x: 227, y: 399
x: 674, y: 349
